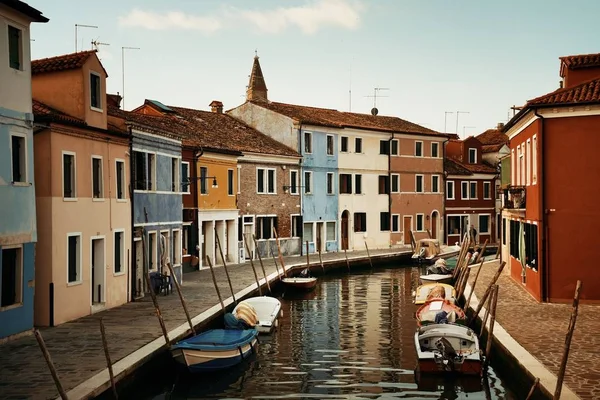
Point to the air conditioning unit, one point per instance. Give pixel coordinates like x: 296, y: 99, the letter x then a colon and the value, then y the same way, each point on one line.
x: 242, y: 256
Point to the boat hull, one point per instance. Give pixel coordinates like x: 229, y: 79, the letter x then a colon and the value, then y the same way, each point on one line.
x: 437, y: 278
x: 267, y: 309
x: 300, y: 283
x: 213, y: 360
x: 433, y: 366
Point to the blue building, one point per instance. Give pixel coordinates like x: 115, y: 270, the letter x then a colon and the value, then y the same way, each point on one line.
x: 18, y: 233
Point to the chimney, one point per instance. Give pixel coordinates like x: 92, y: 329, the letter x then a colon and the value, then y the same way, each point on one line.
x: 114, y: 100
x: 500, y: 126
x: 560, y: 84
x: 216, y: 107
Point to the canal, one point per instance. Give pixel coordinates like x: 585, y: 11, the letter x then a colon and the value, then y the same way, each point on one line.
x: 351, y: 338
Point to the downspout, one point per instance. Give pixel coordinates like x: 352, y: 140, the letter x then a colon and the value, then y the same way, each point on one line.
x: 444, y: 194
x: 134, y: 276
x: 301, y: 186
x: 543, y: 232
x: 390, y: 186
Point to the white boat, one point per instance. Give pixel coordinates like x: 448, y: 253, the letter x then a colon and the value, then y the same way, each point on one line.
x: 430, y: 291
x: 268, y: 310
x: 437, y: 278
x: 448, y: 348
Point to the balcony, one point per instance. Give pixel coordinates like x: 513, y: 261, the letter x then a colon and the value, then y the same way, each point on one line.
x: 513, y: 197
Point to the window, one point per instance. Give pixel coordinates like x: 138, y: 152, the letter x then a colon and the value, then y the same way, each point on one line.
x: 230, y: 182
x: 293, y: 182
x: 487, y: 195
x: 472, y: 156
x: 176, y: 247
x: 185, y: 175
x: 175, y: 171
x: 345, y: 184
x: 384, y: 147
x: 307, y: 142
x: 296, y: 226
x: 395, y: 223
x: 464, y: 190
x: 534, y: 161
x: 528, y: 162
x: 15, y: 54
x: 188, y: 237
x: 120, y: 169
x: 74, y: 258
x: 151, y: 172
x: 484, y: 224
x: 514, y: 238
x: 239, y: 179
x: 360, y: 222
x: 519, y: 165
x: 504, y: 231
x: 358, y: 184
x: 418, y: 149
x: 307, y: 182
x: 420, y: 222
x: 395, y: 183
x: 152, y: 251
x: 330, y: 231
x: 384, y: 221
x: 419, y: 184
x: 203, y: 180
x: 329, y: 145
x: 358, y: 145
x: 384, y: 184
x: 95, y: 93
x: 394, y: 148
x: 118, y: 250
x: 513, y: 169
x: 143, y: 170
x: 450, y: 190
x: 12, y: 277
x: 271, y: 181
x: 454, y: 225
x: 344, y: 144
x: 435, y: 183
x: 531, y: 244
x: 18, y: 151
x: 97, y: 190
x: 473, y: 190
x: 435, y: 149
x: 330, y: 183
x: 265, y: 179
x: 307, y: 233
x: 69, y: 189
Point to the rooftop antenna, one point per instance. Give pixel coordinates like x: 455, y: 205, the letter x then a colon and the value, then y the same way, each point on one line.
x: 445, y: 118
x: 515, y: 109
x: 77, y: 26
x: 96, y: 44
x: 123, y: 69
x: 457, y: 115
x: 374, y: 110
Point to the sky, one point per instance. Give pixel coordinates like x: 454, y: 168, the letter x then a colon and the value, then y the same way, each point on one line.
x: 433, y: 56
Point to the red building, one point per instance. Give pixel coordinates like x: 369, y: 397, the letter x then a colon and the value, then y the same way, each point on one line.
x: 551, y: 205
x: 470, y: 195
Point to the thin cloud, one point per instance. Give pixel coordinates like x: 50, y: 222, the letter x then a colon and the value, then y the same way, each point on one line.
x: 309, y: 18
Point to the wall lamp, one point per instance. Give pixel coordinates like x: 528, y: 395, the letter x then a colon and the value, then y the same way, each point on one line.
x: 214, y: 182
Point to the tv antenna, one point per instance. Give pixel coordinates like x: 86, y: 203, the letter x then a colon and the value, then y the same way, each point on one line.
x: 96, y: 44
x: 77, y: 26
x: 123, y: 48
x: 374, y: 110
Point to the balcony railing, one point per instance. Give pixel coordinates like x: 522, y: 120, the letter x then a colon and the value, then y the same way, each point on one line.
x: 514, y: 197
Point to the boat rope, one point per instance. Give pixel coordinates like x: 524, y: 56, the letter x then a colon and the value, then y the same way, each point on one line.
x: 241, y: 352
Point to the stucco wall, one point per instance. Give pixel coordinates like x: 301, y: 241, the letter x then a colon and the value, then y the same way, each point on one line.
x: 217, y: 198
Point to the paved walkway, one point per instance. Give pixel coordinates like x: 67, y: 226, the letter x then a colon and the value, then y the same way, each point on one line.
x: 541, y: 329
x: 76, y: 347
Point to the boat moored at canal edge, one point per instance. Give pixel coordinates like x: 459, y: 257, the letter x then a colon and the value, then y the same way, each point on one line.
x: 267, y: 310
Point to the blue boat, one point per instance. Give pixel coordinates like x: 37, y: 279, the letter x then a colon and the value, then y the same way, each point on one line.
x: 215, y: 349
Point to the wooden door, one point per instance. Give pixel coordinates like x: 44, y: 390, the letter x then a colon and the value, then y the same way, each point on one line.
x: 319, y: 229
x: 407, y: 227
x: 345, y: 230
x: 434, y: 228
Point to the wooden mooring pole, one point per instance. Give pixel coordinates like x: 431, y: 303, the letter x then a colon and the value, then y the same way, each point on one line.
x: 214, y: 278
x: 225, y: 267
x: 565, y: 357
x: 468, y: 302
x: 151, y: 290
x: 108, y: 362
x: 280, y: 255
x: 307, y: 256
x: 275, y: 262
x: 463, y: 283
x: 181, y: 298
x: 480, y: 255
x: 536, y: 383
x: 51, y: 367
x: 347, y: 262
x: 253, y: 269
x: 487, y: 293
x: 261, y: 262
x: 490, y: 336
x: 368, y: 255
x: 321, y: 261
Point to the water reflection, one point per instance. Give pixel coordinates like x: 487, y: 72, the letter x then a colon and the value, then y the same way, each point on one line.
x: 351, y: 338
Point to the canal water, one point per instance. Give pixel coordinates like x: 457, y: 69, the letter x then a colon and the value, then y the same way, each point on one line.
x: 351, y: 338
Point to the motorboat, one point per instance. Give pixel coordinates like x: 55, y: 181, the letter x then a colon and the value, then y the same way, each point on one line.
x: 437, y: 278
x: 268, y: 310
x: 448, y: 348
x: 426, y: 251
x: 431, y: 291
x: 436, y: 311
x: 215, y: 349
x: 303, y: 282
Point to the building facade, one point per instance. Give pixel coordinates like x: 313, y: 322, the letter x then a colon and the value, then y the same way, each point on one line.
x: 18, y: 229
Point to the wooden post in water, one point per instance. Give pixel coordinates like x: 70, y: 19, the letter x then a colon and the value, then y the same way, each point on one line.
x: 151, y: 290
x: 473, y: 287
x: 321, y: 262
x: 487, y: 293
x: 183, y: 303
x: 212, y: 272
x: 307, y: 256
x: 51, y: 367
x: 347, y: 262
x: 428, y: 233
x: 261, y: 263
x: 275, y: 262
x: 463, y: 283
x: 536, y: 383
x: 368, y: 255
x: 486, y: 314
x: 480, y: 255
x: 565, y: 357
x: 413, y: 243
x: 496, y: 257
x: 279, y: 253
x: 225, y: 267
x: 252, y: 265
x: 490, y: 336
x: 108, y: 362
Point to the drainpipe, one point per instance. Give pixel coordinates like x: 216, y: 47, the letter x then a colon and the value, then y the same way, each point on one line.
x: 134, y: 276
x: 301, y: 186
x: 444, y: 194
x: 544, y: 231
x: 390, y: 185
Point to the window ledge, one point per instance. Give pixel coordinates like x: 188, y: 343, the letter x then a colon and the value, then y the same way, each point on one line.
x: 98, y: 199
x: 21, y: 184
x: 118, y: 273
x: 96, y: 109
x: 11, y: 307
x: 76, y: 283
x: 122, y: 200
x: 69, y: 198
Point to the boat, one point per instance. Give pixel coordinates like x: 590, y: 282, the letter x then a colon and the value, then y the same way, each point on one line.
x: 303, y: 282
x: 447, y: 348
x: 431, y: 291
x: 426, y: 251
x: 267, y: 310
x: 215, y: 349
x: 437, y: 310
x: 437, y: 278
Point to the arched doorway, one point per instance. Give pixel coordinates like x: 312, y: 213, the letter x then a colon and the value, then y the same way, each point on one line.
x: 435, y: 221
x: 345, y: 217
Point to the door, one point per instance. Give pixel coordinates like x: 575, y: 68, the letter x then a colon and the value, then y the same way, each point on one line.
x: 407, y: 227
x: 98, y: 271
x: 319, y: 236
x: 345, y: 216
x: 139, y: 269
x: 464, y: 227
x: 434, y: 224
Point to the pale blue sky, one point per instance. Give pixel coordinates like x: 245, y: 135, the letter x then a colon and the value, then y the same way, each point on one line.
x: 434, y: 55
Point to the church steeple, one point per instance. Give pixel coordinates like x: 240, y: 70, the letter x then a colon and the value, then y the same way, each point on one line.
x: 257, y: 88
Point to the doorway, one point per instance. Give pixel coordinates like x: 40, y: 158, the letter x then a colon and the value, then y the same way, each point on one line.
x: 345, y: 217
x: 139, y: 269
x: 434, y: 224
x: 98, y: 272
x: 319, y: 247
x: 407, y: 228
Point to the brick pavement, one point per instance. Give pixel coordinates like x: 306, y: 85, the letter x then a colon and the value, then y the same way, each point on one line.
x: 541, y: 328
x: 76, y: 347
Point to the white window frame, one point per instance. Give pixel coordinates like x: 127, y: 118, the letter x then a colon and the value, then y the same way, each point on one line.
x: 20, y: 272
x: 292, y: 180
x: 422, y: 223
x: 259, y: 223
x: 513, y: 169
x: 98, y: 109
x: 185, y: 178
x: 489, y: 216
x: 437, y: 146
x: 177, y: 246
x: 292, y: 216
x: 265, y: 172
x: 434, y: 177
x: 489, y: 186
x: 24, y: 168
x: 397, y: 177
x: 21, y: 51
x: 332, y: 154
x: 448, y: 184
x: 306, y: 141
x: 310, y: 186
x: 355, y: 186
x: 239, y: 179
x: 528, y: 163
x: 123, y: 267
x: 335, y: 235
x: 347, y: 144
x: 522, y: 163
x: 153, y: 252
x: 176, y: 167
x: 311, y: 230
x: 101, y: 177
x: 464, y: 194
x: 397, y: 225
x: 422, y: 151
x: 327, y: 177
x: 474, y: 155
x: 518, y: 165
x: 79, y: 280
x: 473, y: 183
x: 534, y: 161
x: 123, y: 180
x: 73, y: 178
x: 232, y: 194
x: 397, y: 147
x: 422, y: 183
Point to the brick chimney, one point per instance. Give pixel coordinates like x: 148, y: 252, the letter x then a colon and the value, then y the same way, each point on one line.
x: 216, y: 107
x: 114, y: 100
x: 500, y: 126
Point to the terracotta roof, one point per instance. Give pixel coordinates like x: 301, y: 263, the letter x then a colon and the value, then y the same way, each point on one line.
x: 492, y: 140
x: 584, y: 93
x: 61, y: 63
x: 455, y: 167
x: 581, y: 61
x: 43, y: 112
x: 341, y: 119
x: 492, y: 148
x: 25, y: 9
x: 168, y: 126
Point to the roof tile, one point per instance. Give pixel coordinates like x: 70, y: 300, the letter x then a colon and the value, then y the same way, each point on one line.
x: 61, y: 63
x: 581, y: 61
x: 586, y: 92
